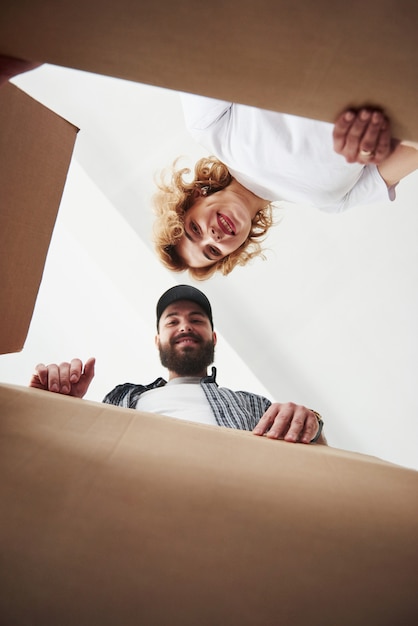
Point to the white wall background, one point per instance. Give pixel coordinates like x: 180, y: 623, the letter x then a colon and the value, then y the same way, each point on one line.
x: 329, y: 320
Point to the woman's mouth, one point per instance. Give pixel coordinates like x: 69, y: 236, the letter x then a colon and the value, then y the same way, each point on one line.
x: 225, y: 224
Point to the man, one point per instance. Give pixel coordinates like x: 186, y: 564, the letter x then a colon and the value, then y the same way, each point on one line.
x: 186, y: 342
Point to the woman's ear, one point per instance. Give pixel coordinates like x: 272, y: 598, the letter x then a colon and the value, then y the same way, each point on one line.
x: 201, y: 191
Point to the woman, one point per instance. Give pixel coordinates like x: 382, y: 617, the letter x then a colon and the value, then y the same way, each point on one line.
x: 218, y: 219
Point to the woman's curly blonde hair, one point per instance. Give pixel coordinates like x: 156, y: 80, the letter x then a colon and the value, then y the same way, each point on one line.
x: 175, y: 196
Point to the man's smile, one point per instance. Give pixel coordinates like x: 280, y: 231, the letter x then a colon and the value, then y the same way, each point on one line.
x: 186, y: 340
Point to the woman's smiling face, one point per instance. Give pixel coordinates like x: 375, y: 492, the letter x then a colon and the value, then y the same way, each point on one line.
x: 214, y: 226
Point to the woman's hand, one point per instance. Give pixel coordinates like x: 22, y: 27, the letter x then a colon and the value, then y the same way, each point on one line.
x: 363, y: 136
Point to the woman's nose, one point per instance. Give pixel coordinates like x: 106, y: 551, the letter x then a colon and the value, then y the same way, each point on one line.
x: 215, y: 233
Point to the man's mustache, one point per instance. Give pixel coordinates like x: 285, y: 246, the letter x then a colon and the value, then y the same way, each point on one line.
x: 174, y: 340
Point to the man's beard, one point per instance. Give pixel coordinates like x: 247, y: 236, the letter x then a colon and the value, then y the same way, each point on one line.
x: 187, y: 361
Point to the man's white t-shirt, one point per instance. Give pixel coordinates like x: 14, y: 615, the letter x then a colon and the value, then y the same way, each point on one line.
x: 182, y: 398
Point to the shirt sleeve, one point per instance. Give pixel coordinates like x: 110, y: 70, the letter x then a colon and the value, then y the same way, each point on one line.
x: 369, y: 189
x: 123, y: 395
x: 201, y: 112
x: 255, y: 404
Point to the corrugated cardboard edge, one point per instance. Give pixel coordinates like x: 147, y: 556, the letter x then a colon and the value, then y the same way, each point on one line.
x: 112, y: 516
x: 36, y: 146
x: 302, y: 57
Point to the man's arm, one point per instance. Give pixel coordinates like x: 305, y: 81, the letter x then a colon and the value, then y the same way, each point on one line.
x: 291, y: 422
x: 69, y: 379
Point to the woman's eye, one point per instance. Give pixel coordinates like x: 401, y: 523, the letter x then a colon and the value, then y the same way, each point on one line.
x: 194, y: 228
x: 214, y: 251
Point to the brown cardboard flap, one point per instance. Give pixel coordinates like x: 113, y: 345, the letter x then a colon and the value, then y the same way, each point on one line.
x: 110, y: 516
x: 302, y: 57
x: 35, y: 151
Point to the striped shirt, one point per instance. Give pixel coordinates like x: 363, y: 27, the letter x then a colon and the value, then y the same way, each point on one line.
x: 232, y: 409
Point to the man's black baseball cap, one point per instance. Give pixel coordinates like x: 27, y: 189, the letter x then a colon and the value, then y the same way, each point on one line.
x: 184, y: 292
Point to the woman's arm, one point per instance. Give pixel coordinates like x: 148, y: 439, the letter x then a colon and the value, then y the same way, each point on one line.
x: 402, y: 161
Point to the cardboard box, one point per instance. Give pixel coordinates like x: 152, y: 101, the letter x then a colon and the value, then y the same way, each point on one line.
x: 302, y: 57
x: 110, y: 516
x: 35, y: 152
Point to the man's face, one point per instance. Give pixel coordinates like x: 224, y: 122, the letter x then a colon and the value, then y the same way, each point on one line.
x: 185, y: 339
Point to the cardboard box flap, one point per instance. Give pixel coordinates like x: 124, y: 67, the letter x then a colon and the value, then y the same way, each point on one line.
x: 35, y: 152
x: 302, y: 57
x: 111, y: 516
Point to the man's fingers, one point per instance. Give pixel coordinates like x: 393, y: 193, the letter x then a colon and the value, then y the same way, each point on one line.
x: 39, y: 378
x: 310, y: 428
x: 276, y: 420
x: 41, y: 371
x: 297, y: 425
x: 89, y: 369
x: 281, y: 416
x: 312, y: 431
x: 76, y: 369
x: 53, y: 382
x: 291, y: 422
x: 59, y: 378
x: 64, y: 378
x: 80, y: 387
x: 263, y: 424
x: 280, y: 424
